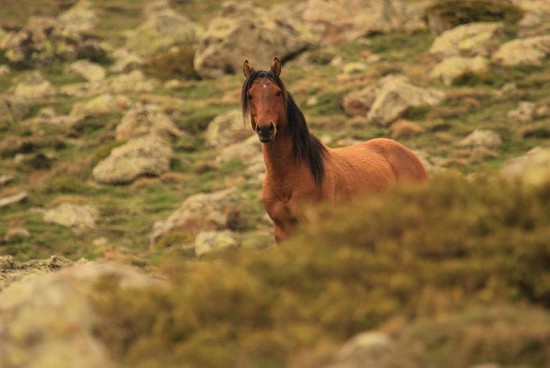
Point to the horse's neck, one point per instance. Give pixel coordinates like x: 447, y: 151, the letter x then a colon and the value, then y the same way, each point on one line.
x: 278, y: 156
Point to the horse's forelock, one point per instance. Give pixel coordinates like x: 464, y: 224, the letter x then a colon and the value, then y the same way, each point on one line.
x: 254, y: 75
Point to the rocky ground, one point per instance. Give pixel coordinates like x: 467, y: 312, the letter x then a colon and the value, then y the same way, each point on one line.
x: 121, y: 139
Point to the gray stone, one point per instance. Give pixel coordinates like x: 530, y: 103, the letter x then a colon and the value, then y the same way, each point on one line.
x: 201, y: 212
x: 90, y: 71
x: 366, y: 350
x: 209, y: 241
x: 72, y: 215
x: 345, y: 21
x: 455, y: 67
x: 467, y: 39
x: 48, y: 319
x: 481, y: 138
x: 163, y: 28
x: 146, y: 119
x: 148, y: 155
x: 532, y: 168
x: 243, y: 31
x: 34, y: 88
x: 13, y: 199
x: 527, y: 51
x: 525, y: 112
x: 226, y: 129
x: 80, y: 18
x: 396, y: 96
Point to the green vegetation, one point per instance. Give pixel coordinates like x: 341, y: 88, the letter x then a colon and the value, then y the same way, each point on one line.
x: 354, y: 269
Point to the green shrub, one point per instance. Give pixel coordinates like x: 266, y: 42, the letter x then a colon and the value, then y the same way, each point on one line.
x: 412, y: 253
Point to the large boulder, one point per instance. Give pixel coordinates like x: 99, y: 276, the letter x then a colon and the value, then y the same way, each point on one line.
x: 92, y: 72
x: 243, y: 31
x: 530, y: 51
x: 146, y: 119
x: 44, y: 41
x: 396, y: 96
x: 345, y: 21
x: 227, y: 128
x: 80, y: 18
x: 532, y: 168
x: 104, y: 104
x: 535, y: 17
x: 468, y: 39
x: 201, y: 212
x: 148, y: 155
x: 12, y: 109
x: 49, y: 319
x: 453, y: 68
x: 34, y: 88
x: 163, y: 28
x: 72, y: 215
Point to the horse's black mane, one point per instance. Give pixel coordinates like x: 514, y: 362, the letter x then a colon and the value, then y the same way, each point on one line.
x: 305, y: 146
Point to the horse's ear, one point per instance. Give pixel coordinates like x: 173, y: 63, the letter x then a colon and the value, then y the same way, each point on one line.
x: 247, y: 69
x: 276, y: 67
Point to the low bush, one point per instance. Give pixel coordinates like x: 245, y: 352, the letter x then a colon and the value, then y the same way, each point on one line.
x: 409, y: 254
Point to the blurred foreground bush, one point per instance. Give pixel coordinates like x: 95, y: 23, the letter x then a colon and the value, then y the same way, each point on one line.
x: 458, y: 268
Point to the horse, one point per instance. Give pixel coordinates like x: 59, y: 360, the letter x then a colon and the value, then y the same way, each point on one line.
x: 299, y: 167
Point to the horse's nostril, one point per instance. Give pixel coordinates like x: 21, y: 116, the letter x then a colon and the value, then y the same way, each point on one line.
x: 271, y: 127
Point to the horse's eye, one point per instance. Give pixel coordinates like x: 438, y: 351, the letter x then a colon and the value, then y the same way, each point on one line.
x: 279, y: 93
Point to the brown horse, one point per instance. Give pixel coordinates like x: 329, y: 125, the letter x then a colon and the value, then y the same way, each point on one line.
x: 299, y: 168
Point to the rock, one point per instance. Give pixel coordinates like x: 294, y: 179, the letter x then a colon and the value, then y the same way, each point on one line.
x: 126, y: 61
x: 135, y: 81
x: 146, y: 119
x: 468, y: 39
x: 104, y: 104
x: 72, y: 215
x: 532, y: 168
x: 44, y: 41
x: 12, y: 270
x: 209, y: 241
x: 14, y: 234
x: 35, y: 87
x: 527, y: 51
x: 453, y: 68
x: 249, y: 152
x: 535, y: 17
x: 243, y: 31
x: 404, y: 128
x: 4, y: 70
x: 13, y: 199
x: 525, y: 112
x: 6, y: 179
x: 90, y: 71
x: 162, y: 29
x: 366, y: 350
x: 79, y: 18
x: 396, y: 96
x: 346, y: 21
x: 481, y: 138
x: 227, y: 128
x: 201, y: 212
x: 12, y: 110
x: 359, y: 102
x: 355, y: 67
x: 147, y: 155
x: 49, y: 320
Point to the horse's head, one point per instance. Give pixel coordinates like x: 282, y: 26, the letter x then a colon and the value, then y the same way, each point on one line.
x: 263, y: 99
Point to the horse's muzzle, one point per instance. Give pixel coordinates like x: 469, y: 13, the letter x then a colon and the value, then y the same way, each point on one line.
x: 266, y: 132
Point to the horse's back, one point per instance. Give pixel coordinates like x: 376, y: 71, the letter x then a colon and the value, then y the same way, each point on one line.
x: 404, y: 162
